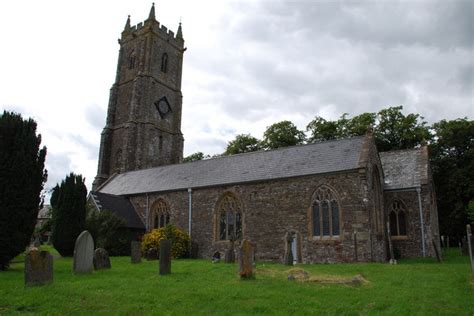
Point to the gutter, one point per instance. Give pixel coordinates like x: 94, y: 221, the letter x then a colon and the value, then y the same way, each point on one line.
x: 420, y: 207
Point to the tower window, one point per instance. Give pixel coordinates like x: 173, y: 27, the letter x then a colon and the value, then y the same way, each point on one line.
x: 131, y: 61
x: 164, y: 63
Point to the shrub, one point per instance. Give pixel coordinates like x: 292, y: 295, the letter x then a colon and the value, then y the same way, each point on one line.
x: 179, y: 239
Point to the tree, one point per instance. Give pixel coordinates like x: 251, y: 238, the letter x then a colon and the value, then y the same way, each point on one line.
x: 452, y: 162
x: 108, y: 231
x: 282, y: 134
x: 242, y: 143
x: 195, y: 157
x: 68, y: 202
x: 22, y: 176
x: 392, y: 129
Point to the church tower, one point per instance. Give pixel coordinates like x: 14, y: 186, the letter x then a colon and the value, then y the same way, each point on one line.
x: 143, y: 127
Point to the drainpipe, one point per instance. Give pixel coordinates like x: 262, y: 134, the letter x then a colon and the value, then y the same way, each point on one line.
x: 190, y: 214
x: 147, y: 213
x: 420, y: 207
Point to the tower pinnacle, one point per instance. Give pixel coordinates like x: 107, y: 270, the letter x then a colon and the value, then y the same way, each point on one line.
x: 179, y: 34
x: 151, y: 16
x: 127, y: 24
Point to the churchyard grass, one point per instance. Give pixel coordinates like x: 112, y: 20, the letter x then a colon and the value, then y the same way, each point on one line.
x: 412, y: 287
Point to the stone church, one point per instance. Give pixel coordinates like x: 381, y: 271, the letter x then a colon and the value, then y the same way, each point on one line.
x: 333, y: 200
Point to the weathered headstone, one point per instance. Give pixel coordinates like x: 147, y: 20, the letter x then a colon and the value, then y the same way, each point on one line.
x: 246, y: 260
x: 101, y: 259
x: 288, y: 252
x: 38, y: 268
x: 165, y: 256
x: 435, y: 248
x: 470, y: 244
x: 135, y: 253
x: 390, y: 246
x: 152, y: 254
x: 230, y: 254
x: 83, y: 253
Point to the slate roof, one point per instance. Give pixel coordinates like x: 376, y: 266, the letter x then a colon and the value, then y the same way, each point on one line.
x: 121, y: 206
x: 402, y: 168
x: 317, y: 158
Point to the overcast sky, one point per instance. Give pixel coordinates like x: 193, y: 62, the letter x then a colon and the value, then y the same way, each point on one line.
x: 248, y: 64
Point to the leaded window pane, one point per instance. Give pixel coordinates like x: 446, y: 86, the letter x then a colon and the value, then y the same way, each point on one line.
x: 393, y: 223
x: 316, y: 221
x: 325, y: 208
x: 222, y: 225
x: 335, y: 218
x: 402, y: 227
x: 230, y: 224
x: 238, y: 226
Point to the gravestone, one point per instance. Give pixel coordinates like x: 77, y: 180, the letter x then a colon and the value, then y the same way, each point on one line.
x: 135, y: 253
x: 165, y: 256
x: 230, y: 254
x: 83, y: 253
x: 38, y: 268
x: 435, y: 248
x: 152, y: 254
x: 288, y: 252
x: 246, y: 260
x: 101, y: 259
x: 470, y: 245
x: 390, y: 245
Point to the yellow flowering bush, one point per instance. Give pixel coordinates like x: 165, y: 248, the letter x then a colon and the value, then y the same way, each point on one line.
x: 179, y: 240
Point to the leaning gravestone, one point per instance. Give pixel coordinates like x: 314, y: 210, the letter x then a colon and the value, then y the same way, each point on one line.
x: 246, y: 260
x: 101, y: 259
x: 38, y: 268
x: 83, y: 253
x: 165, y: 256
x: 136, y: 254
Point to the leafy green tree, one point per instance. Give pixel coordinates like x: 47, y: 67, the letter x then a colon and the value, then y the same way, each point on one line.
x: 392, y: 129
x: 195, y: 157
x: 282, y: 134
x: 398, y: 131
x: 242, y: 143
x: 68, y: 202
x: 22, y: 176
x: 452, y: 162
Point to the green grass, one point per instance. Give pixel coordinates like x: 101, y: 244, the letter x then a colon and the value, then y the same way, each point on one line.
x: 198, y: 287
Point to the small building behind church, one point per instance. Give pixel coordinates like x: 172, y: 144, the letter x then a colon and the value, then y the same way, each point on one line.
x: 336, y: 200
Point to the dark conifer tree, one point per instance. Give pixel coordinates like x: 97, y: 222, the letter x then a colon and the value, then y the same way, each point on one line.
x: 68, y: 201
x: 22, y: 176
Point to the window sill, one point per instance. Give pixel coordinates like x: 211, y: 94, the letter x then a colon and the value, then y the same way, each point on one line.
x: 399, y: 237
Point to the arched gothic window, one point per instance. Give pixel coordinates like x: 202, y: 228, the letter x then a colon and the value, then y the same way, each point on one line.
x: 164, y: 62
x: 229, y: 218
x: 131, y: 60
x: 325, y: 213
x: 160, y: 214
x: 398, y: 219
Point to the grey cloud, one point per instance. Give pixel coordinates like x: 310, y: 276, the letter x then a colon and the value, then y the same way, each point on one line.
x: 58, y: 166
x: 95, y: 116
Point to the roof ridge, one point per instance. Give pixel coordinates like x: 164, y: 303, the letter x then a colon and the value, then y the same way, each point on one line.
x: 400, y: 150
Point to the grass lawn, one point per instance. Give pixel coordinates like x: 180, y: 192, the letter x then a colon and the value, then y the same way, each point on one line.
x: 421, y: 287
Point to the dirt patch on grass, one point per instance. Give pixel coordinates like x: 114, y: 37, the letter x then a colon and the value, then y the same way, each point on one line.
x: 301, y: 275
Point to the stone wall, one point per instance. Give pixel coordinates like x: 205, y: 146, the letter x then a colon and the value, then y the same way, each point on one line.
x: 270, y: 210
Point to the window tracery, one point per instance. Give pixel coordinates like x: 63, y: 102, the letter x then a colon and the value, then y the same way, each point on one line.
x: 160, y: 214
x: 325, y: 213
x: 398, y: 219
x: 229, y: 218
